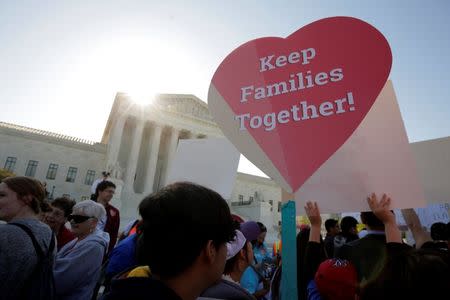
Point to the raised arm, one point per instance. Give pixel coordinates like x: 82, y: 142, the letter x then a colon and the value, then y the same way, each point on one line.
x: 382, y: 210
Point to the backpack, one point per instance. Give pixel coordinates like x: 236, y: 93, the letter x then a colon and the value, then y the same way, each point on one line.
x: 41, y: 284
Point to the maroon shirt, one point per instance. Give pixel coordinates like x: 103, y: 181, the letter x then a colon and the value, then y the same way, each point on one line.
x: 64, y: 236
x: 112, y: 225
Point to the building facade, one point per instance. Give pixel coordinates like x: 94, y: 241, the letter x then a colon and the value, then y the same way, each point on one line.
x: 137, y: 147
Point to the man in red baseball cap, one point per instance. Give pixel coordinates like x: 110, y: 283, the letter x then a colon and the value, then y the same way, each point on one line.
x: 336, y: 279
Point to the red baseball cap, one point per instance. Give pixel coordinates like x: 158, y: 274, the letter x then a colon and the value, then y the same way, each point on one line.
x: 337, y: 279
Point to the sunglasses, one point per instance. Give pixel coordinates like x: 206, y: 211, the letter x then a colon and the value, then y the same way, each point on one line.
x: 77, y: 219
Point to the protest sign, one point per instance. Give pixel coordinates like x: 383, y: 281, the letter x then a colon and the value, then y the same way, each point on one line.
x: 209, y: 162
x: 289, y: 104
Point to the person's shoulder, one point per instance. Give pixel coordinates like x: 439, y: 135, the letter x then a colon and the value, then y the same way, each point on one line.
x: 8, y: 232
x: 140, y: 288
x: 111, y: 207
x: 225, y: 289
x: 371, y: 238
x: 40, y: 230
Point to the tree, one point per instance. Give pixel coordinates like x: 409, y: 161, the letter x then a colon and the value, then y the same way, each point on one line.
x: 5, y: 173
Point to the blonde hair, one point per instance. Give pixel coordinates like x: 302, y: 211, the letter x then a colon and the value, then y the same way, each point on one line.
x: 90, y: 209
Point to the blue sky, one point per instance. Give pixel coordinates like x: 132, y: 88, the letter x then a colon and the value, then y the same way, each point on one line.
x: 61, y: 62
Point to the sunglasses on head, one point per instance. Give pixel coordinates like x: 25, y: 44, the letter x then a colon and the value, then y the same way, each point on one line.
x: 77, y: 219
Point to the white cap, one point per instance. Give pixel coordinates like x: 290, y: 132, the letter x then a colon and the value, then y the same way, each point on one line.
x: 236, y: 245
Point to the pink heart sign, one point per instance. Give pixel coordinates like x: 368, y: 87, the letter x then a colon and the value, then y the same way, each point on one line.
x: 289, y: 104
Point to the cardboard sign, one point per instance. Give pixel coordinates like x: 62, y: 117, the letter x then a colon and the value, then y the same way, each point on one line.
x: 211, y: 162
x: 376, y: 158
x: 432, y: 213
x: 289, y: 104
x: 433, y: 166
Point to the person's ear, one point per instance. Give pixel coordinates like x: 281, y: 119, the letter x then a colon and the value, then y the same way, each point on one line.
x: 27, y: 199
x: 210, y: 251
x: 94, y: 223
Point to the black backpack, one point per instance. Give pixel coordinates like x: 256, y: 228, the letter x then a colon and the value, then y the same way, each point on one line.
x: 41, y: 284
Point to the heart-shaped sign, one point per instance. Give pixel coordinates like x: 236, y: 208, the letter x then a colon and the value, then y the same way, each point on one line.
x: 289, y: 104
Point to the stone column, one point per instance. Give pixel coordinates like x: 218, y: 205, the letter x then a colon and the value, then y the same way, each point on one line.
x: 115, y: 139
x: 134, y: 154
x: 173, y: 142
x: 155, y: 141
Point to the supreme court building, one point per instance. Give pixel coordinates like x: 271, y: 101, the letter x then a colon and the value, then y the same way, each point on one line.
x: 137, y: 147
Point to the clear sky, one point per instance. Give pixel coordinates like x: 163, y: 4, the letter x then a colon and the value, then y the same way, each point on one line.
x: 61, y: 62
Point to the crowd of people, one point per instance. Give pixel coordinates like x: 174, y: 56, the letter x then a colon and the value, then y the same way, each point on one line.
x: 186, y: 245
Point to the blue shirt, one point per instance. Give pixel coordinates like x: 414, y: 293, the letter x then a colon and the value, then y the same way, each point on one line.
x: 250, y: 280
x: 122, y: 256
x: 312, y: 291
x: 261, y: 253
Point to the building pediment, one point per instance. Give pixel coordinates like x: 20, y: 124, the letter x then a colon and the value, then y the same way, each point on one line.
x: 188, y: 105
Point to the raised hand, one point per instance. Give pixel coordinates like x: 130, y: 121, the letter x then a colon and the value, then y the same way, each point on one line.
x: 381, y: 208
x: 313, y: 213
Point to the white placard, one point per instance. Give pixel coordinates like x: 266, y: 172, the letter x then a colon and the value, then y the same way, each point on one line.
x: 211, y: 162
x: 376, y: 158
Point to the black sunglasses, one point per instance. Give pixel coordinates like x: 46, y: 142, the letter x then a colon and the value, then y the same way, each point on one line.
x: 77, y: 219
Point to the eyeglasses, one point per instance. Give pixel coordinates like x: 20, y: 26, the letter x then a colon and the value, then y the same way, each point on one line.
x: 77, y: 219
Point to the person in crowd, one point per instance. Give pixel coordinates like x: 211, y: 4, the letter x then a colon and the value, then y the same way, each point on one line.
x: 105, y: 177
x: 111, y: 222
x: 253, y: 279
x: 302, y: 241
x: 22, y: 238
x: 56, y: 218
x: 239, y: 257
x: 348, y: 234
x: 327, y: 279
x: 185, y: 214
x: 123, y: 256
x: 367, y: 254
x: 78, y: 263
x: 44, y: 184
x: 130, y: 229
x: 333, y: 229
x: 408, y: 273
x: 440, y: 233
x: 262, y: 253
x: 45, y: 208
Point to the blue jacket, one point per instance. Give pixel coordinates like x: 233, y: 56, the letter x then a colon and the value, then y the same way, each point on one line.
x: 78, y: 265
x: 122, y: 257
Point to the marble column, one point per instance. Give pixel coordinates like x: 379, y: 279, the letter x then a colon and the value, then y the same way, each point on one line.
x: 154, y: 143
x: 115, y: 138
x: 173, y: 143
x: 134, y: 153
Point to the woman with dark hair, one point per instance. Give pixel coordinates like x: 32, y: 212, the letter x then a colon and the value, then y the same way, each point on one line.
x: 21, y: 199
x: 56, y: 218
